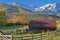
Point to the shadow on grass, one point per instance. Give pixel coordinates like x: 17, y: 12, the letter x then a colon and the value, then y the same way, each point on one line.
x: 10, y: 27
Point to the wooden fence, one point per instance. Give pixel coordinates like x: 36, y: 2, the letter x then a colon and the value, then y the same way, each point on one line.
x: 6, y: 37
x: 31, y: 36
x: 37, y: 36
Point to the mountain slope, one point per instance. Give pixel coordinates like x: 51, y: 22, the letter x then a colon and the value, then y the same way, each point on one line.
x: 23, y: 15
x: 49, y: 8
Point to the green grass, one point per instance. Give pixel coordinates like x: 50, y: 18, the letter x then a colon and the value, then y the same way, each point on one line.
x: 12, y: 27
x: 29, y: 36
x: 37, y: 36
x: 9, y: 27
x: 57, y: 38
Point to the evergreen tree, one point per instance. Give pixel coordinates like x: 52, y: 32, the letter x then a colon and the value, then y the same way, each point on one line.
x: 3, y: 18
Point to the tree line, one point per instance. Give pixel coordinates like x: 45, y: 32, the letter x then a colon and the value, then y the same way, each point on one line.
x: 3, y: 20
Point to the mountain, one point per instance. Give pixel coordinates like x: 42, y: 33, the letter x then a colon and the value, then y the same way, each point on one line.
x: 49, y: 8
x: 14, y: 4
x: 20, y: 14
x: 15, y: 13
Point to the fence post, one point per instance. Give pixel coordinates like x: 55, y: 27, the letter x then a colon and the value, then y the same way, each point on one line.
x: 41, y: 36
x: 48, y: 32
x: 12, y: 34
x: 12, y: 37
x: 21, y: 35
x: 32, y: 34
x: 55, y: 34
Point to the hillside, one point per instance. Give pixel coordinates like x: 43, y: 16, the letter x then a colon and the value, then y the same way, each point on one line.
x: 23, y: 15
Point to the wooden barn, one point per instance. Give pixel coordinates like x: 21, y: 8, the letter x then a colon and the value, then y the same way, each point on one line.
x: 42, y: 25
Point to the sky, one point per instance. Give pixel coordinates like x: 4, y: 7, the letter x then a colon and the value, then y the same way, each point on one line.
x: 31, y: 2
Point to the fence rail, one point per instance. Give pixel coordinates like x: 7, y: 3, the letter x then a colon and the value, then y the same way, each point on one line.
x: 31, y: 36
x: 38, y: 36
x: 6, y: 37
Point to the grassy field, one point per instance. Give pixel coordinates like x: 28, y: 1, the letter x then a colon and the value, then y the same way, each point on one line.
x: 37, y: 36
x: 29, y: 36
x: 12, y: 27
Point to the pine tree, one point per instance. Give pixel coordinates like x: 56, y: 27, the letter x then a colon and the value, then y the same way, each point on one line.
x: 3, y: 18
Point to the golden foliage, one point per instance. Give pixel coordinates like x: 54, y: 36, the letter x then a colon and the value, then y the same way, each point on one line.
x: 20, y: 19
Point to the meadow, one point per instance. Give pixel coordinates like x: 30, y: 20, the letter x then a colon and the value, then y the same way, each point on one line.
x: 54, y: 35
